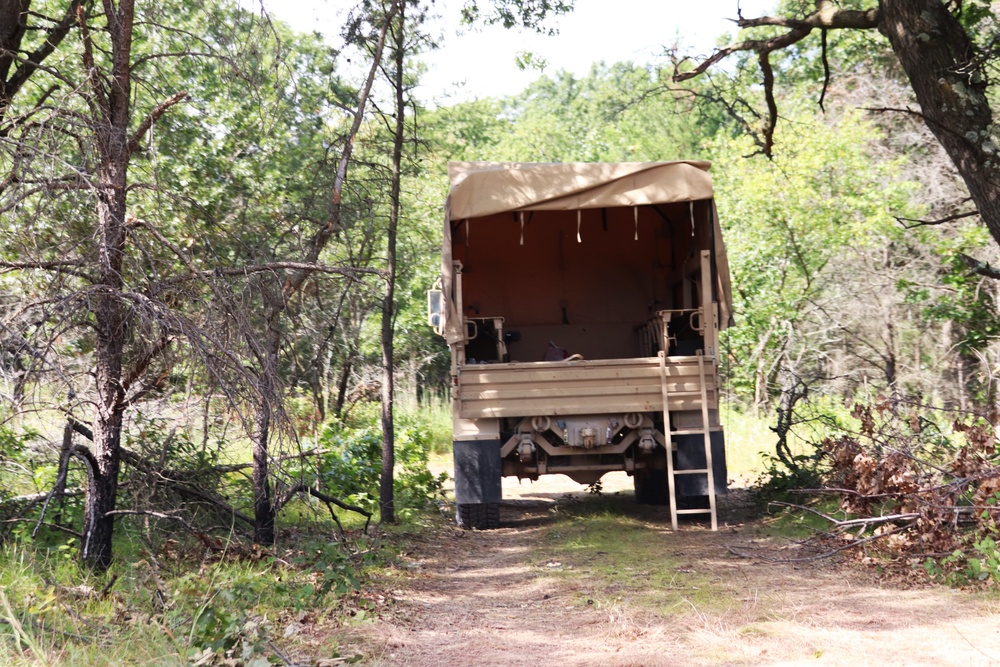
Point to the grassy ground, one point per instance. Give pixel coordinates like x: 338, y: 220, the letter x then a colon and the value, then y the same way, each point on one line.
x: 577, y: 579
x: 172, y: 598
x: 182, y: 605
x: 748, y: 440
x: 603, y: 546
x: 177, y: 597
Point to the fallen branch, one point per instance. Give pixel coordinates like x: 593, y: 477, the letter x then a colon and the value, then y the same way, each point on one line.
x: 850, y: 523
x: 200, y: 534
x: 821, y: 556
x: 32, y: 498
x: 329, y: 500
x: 184, y: 487
x: 54, y: 526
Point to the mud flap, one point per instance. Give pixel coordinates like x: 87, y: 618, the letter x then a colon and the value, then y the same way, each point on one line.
x: 691, y: 454
x: 478, y: 469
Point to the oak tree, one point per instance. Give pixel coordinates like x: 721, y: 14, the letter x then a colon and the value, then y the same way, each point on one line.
x: 948, y: 49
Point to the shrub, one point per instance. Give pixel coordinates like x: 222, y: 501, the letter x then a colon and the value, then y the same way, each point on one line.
x: 351, y: 463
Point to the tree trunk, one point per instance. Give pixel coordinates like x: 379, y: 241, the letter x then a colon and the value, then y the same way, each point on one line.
x: 937, y: 56
x: 263, y: 506
x: 275, y: 307
x: 345, y: 377
x: 387, y: 505
x: 16, y: 67
x: 110, y: 313
x: 13, y: 25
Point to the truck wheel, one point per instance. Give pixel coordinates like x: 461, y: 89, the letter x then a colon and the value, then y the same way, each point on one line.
x: 651, y: 487
x: 480, y: 516
x: 692, y: 502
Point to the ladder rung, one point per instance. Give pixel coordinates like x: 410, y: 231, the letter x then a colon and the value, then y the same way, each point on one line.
x: 704, y: 511
x: 692, y: 471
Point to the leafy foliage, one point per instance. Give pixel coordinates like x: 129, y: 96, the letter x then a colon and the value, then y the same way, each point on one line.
x: 793, y: 226
x: 530, y: 14
x: 348, y: 465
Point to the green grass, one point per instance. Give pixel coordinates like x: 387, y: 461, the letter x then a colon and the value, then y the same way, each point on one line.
x: 615, y: 557
x: 750, y: 442
x: 794, y: 524
x: 168, y: 600
x: 178, y: 606
x: 435, y: 413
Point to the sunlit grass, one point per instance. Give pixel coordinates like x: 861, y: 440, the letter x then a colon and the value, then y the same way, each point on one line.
x: 181, y: 604
x: 749, y: 440
x: 615, y: 557
x: 434, y: 412
x: 170, y: 600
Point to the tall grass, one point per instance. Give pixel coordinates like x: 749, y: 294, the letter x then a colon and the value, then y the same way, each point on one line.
x: 180, y: 606
x: 749, y: 439
x: 433, y: 410
x: 53, y: 612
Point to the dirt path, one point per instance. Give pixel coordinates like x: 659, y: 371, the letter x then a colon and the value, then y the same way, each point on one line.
x: 533, y: 594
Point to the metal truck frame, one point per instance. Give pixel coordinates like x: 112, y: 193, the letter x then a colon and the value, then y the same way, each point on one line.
x: 582, y: 304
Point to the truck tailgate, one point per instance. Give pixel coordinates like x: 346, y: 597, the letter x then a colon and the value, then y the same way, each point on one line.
x: 580, y: 387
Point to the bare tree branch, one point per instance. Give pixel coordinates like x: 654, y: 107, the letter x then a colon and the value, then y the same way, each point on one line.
x: 931, y: 223
x: 826, y: 69
x: 153, y: 116
x: 826, y: 17
x: 980, y: 268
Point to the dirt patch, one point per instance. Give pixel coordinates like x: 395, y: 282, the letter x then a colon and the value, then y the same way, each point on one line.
x: 535, y: 593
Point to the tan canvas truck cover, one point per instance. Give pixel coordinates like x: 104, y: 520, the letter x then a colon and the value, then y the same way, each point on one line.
x: 480, y: 189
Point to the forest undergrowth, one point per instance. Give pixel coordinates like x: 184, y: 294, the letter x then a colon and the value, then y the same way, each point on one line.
x: 190, y: 587
x: 894, y: 484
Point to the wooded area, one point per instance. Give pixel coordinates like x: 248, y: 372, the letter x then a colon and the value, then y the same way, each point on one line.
x: 217, y: 234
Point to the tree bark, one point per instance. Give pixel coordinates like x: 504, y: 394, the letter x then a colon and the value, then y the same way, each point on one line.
x: 110, y: 313
x: 263, y: 506
x: 16, y: 69
x: 13, y: 25
x: 387, y: 503
x: 938, y: 57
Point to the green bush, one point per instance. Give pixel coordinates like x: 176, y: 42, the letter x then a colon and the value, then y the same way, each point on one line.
x: 780, y: 481
x: 351, y: 464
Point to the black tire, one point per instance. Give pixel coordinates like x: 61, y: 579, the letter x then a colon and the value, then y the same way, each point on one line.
x: 692, y: 502
x: 479, y: 516
x: 650, y: 483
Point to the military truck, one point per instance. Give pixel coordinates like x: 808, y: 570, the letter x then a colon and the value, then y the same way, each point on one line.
x: 582, y: 304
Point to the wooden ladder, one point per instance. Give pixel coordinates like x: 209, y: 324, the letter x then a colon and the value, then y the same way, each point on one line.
x: 704, y: 431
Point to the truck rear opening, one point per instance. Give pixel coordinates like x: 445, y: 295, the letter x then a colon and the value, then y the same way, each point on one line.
x: 582, y: 304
